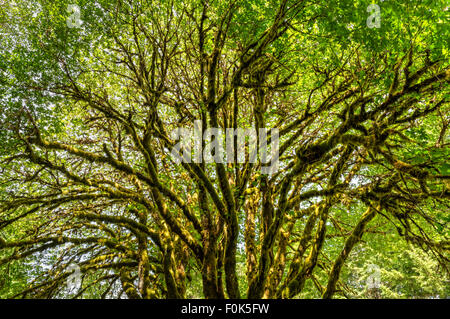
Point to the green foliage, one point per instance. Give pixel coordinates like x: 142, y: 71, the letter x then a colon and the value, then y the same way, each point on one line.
x: 86, y: 176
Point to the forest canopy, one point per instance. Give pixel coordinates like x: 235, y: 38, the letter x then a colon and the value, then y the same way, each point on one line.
x: 91, y: 91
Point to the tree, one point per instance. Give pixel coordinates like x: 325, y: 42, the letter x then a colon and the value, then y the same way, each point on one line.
x: 87, y: 172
